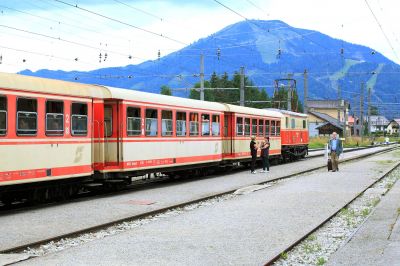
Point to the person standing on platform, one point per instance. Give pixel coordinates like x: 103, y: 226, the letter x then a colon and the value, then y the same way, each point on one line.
x: 265, y: 154
x: 335, y: 148
x: 253, y: 152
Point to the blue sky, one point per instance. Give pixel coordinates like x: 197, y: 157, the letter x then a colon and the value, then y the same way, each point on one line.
x: 85, y: 36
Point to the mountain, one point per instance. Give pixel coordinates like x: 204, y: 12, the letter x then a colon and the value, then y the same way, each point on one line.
x: 268, y: 50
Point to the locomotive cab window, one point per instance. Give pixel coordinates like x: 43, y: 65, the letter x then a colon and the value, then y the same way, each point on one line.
x: 166, y: 123
x: 304, y: 124
x: 54, y: 118
x: 261, y: 127
x: 247, y: 126
x: 26, y: 116
x: 239, y: 126
x: 3, y: 115
x: 151, y: 122
x: 194, y: 124
x: 79, y: 119
x: 293, y: 124
x: 215, y: 126
x: 254, y: 127
x: 180, y: 123
x: 205, y: 125
x: 133, y: 121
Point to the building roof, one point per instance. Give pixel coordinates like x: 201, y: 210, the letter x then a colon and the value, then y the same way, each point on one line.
x: 350, y: 119
x: 325, y: 104
x: 286, y: 112
x: 379, y: 120
x: 327, y: 118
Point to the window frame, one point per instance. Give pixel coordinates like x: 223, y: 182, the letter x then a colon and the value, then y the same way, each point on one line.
x: 127, y: 121
x: 176, y: 123
x: 293, y: 123
x: 304, y: 124
x: 273, y: 127
x: 249, y: 124
x: 145, y: 121
x: 87, y: 119
x: 261, y: 124
x: 237, y: 124
x: 252, y: 127
x: 198, y: 124
x: 62, y: 114
x: 17, y: 114
x: 267, y: 124
x: 277, y: 128
x: 219, y: 124
x: 209, y: 124
x: 172, y: 124
x: 6, y: 112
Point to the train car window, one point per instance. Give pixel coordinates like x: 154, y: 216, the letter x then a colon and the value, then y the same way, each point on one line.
x: 54, y: 118
x: 215, y: 126
x: 79, y: 119
x: 226, y: 124
x: 273, y: 128
x: 287, y: 122
x: 254, y: 127
x: 261, y: 127
x: 133, y: 121
x: 3, y: 115
x: 166, y: 123
x: 108, y: 127
x: 180, y: 123
x: 247, y: 126
x: 293, y: 124
x: 26, y: 116
x: 304, y: 124
x: 194, y: 124
x: 278, y: 128
x: 151, y: 122
x: 267, y: 128
x: 239, y: 126
x: 205, y: 125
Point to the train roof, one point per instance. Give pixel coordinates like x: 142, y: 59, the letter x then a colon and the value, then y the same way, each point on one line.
x: 286, y: 112
x: 253, y: 111
x: 146, y: 97
x: 53, y: 86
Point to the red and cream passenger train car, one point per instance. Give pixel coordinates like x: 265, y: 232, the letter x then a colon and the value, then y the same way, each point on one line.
x: 56, y: 135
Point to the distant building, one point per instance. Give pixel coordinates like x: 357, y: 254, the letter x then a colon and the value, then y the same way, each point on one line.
x: 326, y: 116
x: 378, y: 123
x: 393, y: 127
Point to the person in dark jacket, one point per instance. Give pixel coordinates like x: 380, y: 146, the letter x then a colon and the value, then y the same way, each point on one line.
x: 265, y: 154
x: 335, y: 149
x: 253, y: 152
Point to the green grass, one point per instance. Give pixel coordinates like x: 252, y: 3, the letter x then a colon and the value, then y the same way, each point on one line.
x: 350, y: 142
x: 284, y: 255
x: 365, y: 212
x: 320, y: 261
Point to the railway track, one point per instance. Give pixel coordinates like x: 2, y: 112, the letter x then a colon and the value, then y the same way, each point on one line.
x: 325, y: 221
x: 101, y: 226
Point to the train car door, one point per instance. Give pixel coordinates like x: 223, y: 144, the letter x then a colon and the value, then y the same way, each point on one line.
x: 111, y: 133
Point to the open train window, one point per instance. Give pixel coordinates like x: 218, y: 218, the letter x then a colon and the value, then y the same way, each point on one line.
x: 194, y: 124
x: 273, y: 129
x: 3, y: 115
x: 166, y: 123
x: 79, y: 119
x: 215, y: 126
x: 26, y: 116
x: 133, y: 121
x: 261, y: 127
x: 278, y: 128
x: 254, y: 127
x: 239, y: 126
x: 267, y: 124
x: 205, y: 125
x: 247, y: 126
x: 180, y: 123
x: 54, y: 118
x: 151, y: 122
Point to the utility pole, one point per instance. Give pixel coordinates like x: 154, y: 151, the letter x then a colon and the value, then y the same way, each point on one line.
x: 289, y: 98
x: 202, y: 77
x: 362, y: 110
x: 241, y: 100
x: 305, y: 92
x: 339, y: 103
x: 369, y: 111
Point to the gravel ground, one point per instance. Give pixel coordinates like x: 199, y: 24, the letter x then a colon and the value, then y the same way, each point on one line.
x: 320, y: 245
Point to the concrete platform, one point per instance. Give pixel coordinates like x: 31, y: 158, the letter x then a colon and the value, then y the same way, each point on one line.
x: 378, y: 241
x: 47, y: 222
x: 248, y: 229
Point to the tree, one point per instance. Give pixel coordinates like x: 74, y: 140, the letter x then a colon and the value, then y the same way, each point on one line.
x: 374, y: 110
x: 165, y: 90
x: 280, y: 100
